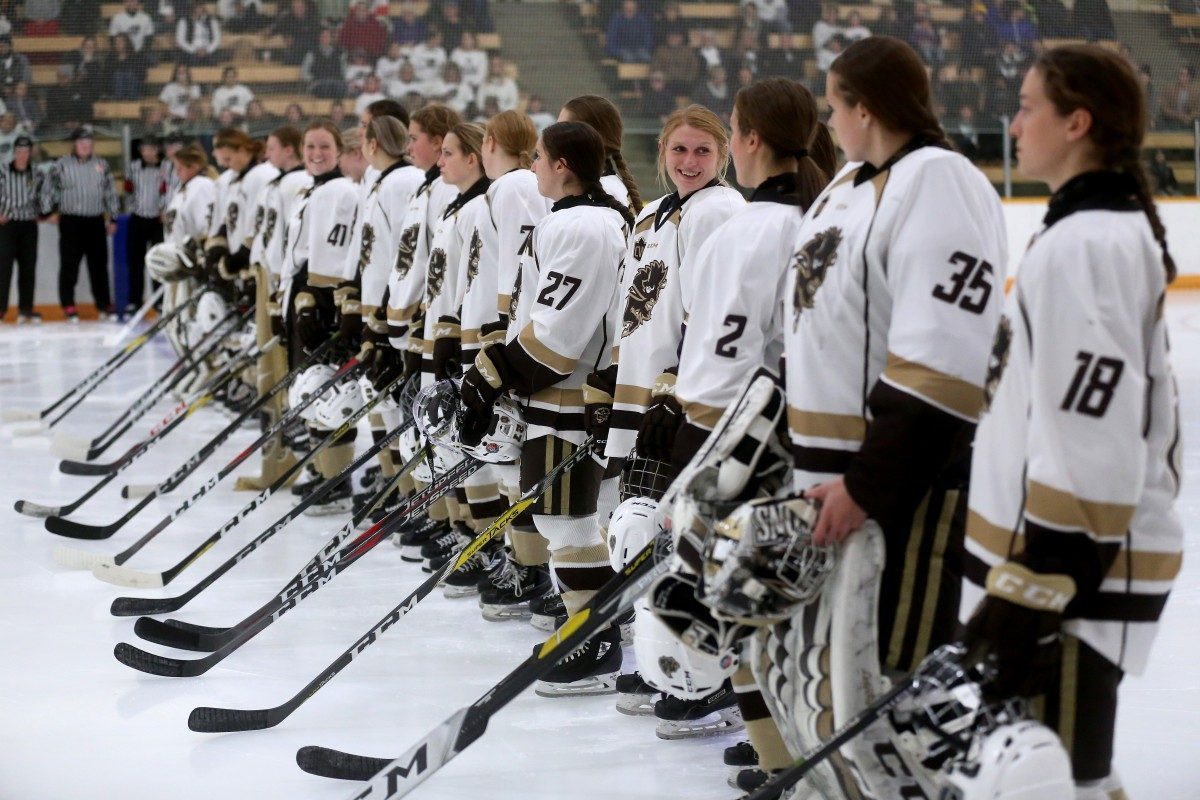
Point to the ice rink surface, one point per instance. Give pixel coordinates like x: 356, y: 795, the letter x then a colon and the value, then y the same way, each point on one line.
x: 77, y: 725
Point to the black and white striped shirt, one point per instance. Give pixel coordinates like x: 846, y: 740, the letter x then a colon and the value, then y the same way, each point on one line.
x: 80, y: 188
x: 20, y: 192
x: 144, y: 189
x: 170, y: 179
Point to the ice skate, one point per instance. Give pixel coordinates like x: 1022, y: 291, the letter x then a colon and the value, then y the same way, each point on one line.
x: 635, y: 697
x: 739, y: 757
x: 686, y: 719
x: 506, y: 591
x: 589, y: 669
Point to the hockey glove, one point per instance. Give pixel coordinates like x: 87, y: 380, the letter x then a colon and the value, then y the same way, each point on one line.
x: 384, y: 363
x: 216, y: 252
x: 493, y: 333
x: 656, y: 437
x: 308, y: 328
x: 447, y: 349
x: 350, y: 323
x: 481, y: 387
x: 238, y: 262
x: 1018, y: 627
x: 598, y: 405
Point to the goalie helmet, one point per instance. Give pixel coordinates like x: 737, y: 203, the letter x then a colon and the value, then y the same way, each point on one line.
x: 1017, y: 761
x: 437, y: 412
x: 644, y: 477
x: 210, y: 311
x: 760, y: 563
x: 308, y: 382
x: 168, y: 262
x: 387, y: 403
x: 668, y: 665
x: 631, y: 527
x: 336, y: 405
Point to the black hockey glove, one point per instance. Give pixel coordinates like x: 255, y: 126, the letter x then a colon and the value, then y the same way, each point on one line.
x: 656, y: 437
x: 1017, y: 627
x: 309, y: 330
x: 216, y: 252
x: 350, y: 322
x: 384, y: 364
x: 481, y: 387
x: 447, y: 349
x: 238, y: 262
x: 598, y: 405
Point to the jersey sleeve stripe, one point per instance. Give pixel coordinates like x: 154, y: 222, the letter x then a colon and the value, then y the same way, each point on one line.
x: 316, y: 279
x: 1058, y: 509
x: 701, y: 414
x: 404, y: 315
x: 543, y: 354
x: 503, y: 302
x: 818, y: 424
x: 953, y: 395
x: 631, y: 395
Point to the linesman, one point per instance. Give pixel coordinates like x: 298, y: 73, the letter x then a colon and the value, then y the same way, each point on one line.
x: 20, y: 193
x: 145, y: 191
x: 79, y: 191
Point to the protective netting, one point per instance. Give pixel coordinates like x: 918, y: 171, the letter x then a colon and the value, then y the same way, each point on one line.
x: 164, y: 66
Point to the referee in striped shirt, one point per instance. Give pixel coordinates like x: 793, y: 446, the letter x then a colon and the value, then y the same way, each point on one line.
x: 145, y: 191
x: 20, y: 190
x: 79, y: 190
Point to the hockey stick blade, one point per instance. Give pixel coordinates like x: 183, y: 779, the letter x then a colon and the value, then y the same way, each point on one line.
x: 81, y: 530
x: 36, y: 509
x: 74, y: 448
x: 72, y: 467
x: 136, y: 606
x: 119, y: 575
x: 329, y: 763
x: 19, y: 415
x: 401, y: 775
x: 158, y: 632
x: 76, y: 559
x: 137, y: 490
x: 151, y: 664
x: 222, y: 720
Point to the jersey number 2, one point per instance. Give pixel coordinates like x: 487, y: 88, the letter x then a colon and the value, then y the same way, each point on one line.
x: 337, y: 236
x: 557, y: 279
x: 970, y: 287
x: 725, y: 347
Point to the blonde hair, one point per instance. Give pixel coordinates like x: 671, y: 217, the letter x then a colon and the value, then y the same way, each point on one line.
x: 516, y: 135
x: 703, y: 120
x: 192, y: 156
x: 389, y: 135
x: 327, y: 125
x: 352, y: 142
x: 470, y: 139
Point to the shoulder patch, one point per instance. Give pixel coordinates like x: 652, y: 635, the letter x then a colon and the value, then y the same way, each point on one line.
x: 997, y: 360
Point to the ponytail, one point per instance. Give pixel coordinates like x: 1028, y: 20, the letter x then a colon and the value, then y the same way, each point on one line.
x: 622, y: 170
x: 595, y: 190
x: 603, y: 116
x: 815, y: 166
x: 580, y: 146
x: 1134, y: 169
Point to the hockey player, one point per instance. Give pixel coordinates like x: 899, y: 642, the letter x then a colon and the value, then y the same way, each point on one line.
x: 227, y: 251
x: 380, y: 108
x: 1073, y: 541
x: 601, y: 114
x: 559, y: 334
x: 185, y: 226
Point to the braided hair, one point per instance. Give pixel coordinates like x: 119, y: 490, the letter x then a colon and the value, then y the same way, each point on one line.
x: 580, y: 146
x: 601, y: 114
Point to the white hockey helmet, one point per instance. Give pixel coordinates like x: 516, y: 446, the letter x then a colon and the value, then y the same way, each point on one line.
x: 437, y: 412
x: 1018, y: 761
x: 386, y: 404
x: 441, y: 460
x: 211, y: 309
x: 336, y: 405
x: 680, y: 648
x: 631, y: 527
x: 306, y: 383
x: 168, y: 262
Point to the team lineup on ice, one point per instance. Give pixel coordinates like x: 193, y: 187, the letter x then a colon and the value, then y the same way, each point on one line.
x: 787, y: 479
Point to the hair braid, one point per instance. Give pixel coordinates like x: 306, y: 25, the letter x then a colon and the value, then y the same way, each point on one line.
x: 635, y: 197
x: 1134, y: 169
x: 595, y: 190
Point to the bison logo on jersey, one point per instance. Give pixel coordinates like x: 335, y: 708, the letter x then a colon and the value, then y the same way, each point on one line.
x: 231, y: 219
x: 408, y: 248
x: 648, y: 283
x: 437, y: 272
x: 812, y: 262
x: 269, y: 224
x: 368, y: 244
x: 474, y: 251
x: 169, y: 220
x: 258, y: 219
x: 515, y: 298
x: 997, y: 361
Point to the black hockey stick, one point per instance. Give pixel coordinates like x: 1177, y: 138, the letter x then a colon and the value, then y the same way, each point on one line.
x: 78, y: 530
x: 134, y: 606
x: 217, y: 720
x: 397, y: 777
x: 110, y: 365
x: 175, y: 420
x: 284, y: 602
x: 346, y: 369
x: 111, y: 571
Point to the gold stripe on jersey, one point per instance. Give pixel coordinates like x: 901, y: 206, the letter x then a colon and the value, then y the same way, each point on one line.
x: 559, y: 398
x: 503, y: 303
x: 931, y: 588
x: 702, y: 415
x: 818, y: 424
x: 1060, y: 509
x: 470, y: 336
x: 316, y: 279
x: 540, y: 352
x: 403, y: 315
x: 954, y: 395
x: 631, y: 395
x: 644, y: 225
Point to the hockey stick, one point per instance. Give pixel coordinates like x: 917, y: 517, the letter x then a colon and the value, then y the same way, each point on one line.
x: 101, y: 372
x: 397, y: 777
x: 134, y: 606
x: 284, y: 602
x: 77, y: 530
x: 174, y: 419
x: 114, y: 339
x: 111, y: 571
x: 74, y: 447
x: 346, y: 369
x: 218, y: 720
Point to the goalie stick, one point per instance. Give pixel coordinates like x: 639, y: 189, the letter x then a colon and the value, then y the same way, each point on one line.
x: 172, y: 420
x: 78, y: 530
x: 284, y: 602
x: 218, y: 720
x: 111, y: 571
x: 134, y: 606
x: 98, y: 375
x: 397, y: 777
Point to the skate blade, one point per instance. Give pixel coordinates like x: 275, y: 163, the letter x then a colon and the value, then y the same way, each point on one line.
x: 327, y: 511
x: 636, y: 705
x: 724, y: 721
x: 504, y: 613
x: 598, y: 685
x: 458, y: 592
x: 543, y: 623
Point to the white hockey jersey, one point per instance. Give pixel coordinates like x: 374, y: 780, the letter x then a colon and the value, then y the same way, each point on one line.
x: 516, y: 207
x: 387, y: 199
x: 666, y: 236
x: 1081, y: 442
x: 220, y: 198
x: 284, y: 194
x: 319, y: 231
x: 244, y: 213
x: 406, y: 286
x: 188, y: 214
x: 895, y: 279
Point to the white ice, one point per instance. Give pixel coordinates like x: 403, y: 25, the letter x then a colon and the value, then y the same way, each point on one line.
x: 76, y: 724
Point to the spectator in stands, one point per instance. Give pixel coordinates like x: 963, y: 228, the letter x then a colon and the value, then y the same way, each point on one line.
x: 324, y: 68
x: 489, y: 110
x: 154, y: 120
x: 357, y: 71
x: 165, y: 23
x: 451, y: 22
x: 826, y: 55
x: 370, y: 93
x: 536, y: 109
x: 1092, y: 20
x: 124, y: 70
x: 709, y: 51
x: 773, y: 14
x: 855, y: 30
x: 387, y: 66
x: 786, y: 59
x: 658, y: 98
x: 429, y: 56
x: 1053, y: 19
x: 405, y: 82
x: 179, y: 94
x: 1017, y: 28
x: 1181, y: 101
x: 677, y: 62
x: 14, y: 67
x: 924, y: 37
x: 1164, y: 177
x: 257, y: 119
x: 300, y: 27
x: 1010, y: 66
x: 472, y: 60
x: 231, y: 94
x: 134, y: 23
x: 409, y: 29
x: 477, y: 15
x: 964, y: 133
x: 978, y: 44
x: 79, y: 17
x: 630, y: 35
x: 452, y: 90
x: 66, y: 105
x: 670, y: 21
x: 26, y: 109
x: 199, y: 35
x: 88, y: 68
x: 240, y: 16
x: 10, y: 131
x: 337, y: 114
x: 363, y: 30
x: 751, y: 24
x: 888, y: 23
x: 412, y: 101
x: 499, y: 86
x: 825, y: 28
x: 293, y: 115
x: 41, y: 17
x: 747, y: 52
x: 715, y: 93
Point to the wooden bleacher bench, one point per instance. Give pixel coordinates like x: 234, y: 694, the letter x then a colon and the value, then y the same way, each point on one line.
x: 1185, y: 20
x: 1169, y: 140
x: 709, y: 11
x: 248, y: 73
x: 801, y: 41
x: 46, y: 44
x: 633, y: 72
x: 107, y: 148
x: 119, y: 109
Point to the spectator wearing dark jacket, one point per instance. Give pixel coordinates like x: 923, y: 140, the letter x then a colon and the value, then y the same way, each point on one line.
x: 14, y: 67
x: 362, y: 30
x: 124, y: 70
x: 325, y: 68
x: 715, y: 93
x: 657, y: 99
x: 409, y: 28
x: 677, y: 62
x: 978, y: 44
x: 630, y: 35
x: 1018, y: 29
x: 300, y: 26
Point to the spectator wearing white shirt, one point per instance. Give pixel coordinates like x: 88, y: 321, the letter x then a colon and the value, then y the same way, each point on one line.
x: 180, y: 92
x: 451, y: 89
x: 471, y: 59
x: 199, y: 35
x: 370, y: 94
x: 428, y: 57
x: 231, y: 94
x: 405, y: 82
x: 825, y: 28
x: 498, y: 86
x: 855, y: 30
x: 387, y: 67
x: 357, y: 70
x: 537, y: 112
x: 133, y: 22
x: 773, y: 14
x: 709, y: 50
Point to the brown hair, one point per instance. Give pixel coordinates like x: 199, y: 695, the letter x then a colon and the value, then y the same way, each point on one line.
x: 387, y: 107
x: 436, y: 119
x: 237, y: 139
x: 470, y: 139
x: 289, y: 136
x: 578, y: 144
x: 516, y: 135
x: 1105, y: 85
x: 784, y: 115
x: 889, y: 79
x: 352, y: 142
x: 191, y: 155
x: 700, y: 118
x: 602, y: 115
x: 326, y: 124
x: 389, y: 134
